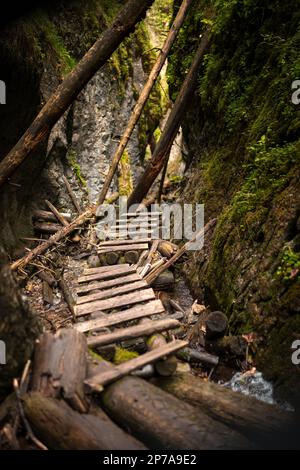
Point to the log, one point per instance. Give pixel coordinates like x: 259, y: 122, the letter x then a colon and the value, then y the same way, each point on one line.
x: 69, y: 299
x: 191, y: 355
x: 72, y: 195
x: 216, y: 325
x: 59, y: 367
x: 45, y: 227
x: 47, y: 216
x: 166, y: 248
x: 144, y: 96
x: 112, y: 258
x: 131, y: 256
x: 162, y: 421
x: 124, y: 242
x: 164, y: 367
x: 57, y: 214
x: 62, y: 428
x: 255, y: 419
x: 154, y: 307
x: 72, y: 85
x: 47, y: 276
x: 131, y: 332
x: 171, y: 128
x: 229, y: 346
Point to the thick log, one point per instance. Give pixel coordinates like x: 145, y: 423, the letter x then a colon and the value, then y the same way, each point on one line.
x: 59, y: 367
x: 164, y: 367
x: 112, y: 258
x: 137, y: 331
x: 216, y: 325
x: 171, y: 128
x: 144, y: 96
x: 191, y: 355
x: 151, y: 308
x: 72, y: 85
x: 45, y: 227
x: 166, y: 248
x: 162, y: 421
x: 62, y: 428
x: 131, y: 256
x: 49, y: 216
x: 255, y: 419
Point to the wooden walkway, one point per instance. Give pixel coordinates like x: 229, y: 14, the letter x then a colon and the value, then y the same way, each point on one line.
x: 124, y: 307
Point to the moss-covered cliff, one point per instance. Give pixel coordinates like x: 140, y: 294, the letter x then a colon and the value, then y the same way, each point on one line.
x: 243, y: 138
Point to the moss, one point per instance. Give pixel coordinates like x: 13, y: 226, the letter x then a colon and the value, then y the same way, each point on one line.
x: 95, y: 355
x: 123, y: 355
x: 72, y: 160
x: 48, y: 34
x: 125, y: 176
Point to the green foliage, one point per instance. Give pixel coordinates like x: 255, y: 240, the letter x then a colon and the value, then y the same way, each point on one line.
x: 289, y: 269
x: 123, y: 355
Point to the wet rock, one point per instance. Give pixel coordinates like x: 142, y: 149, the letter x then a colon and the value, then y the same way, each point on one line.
x: 93, y: 261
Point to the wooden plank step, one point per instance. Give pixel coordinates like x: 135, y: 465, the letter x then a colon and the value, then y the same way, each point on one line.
x: 155, y: 307
x: 102, y: 269
x: 105, y: 294
x: 135, y: 214
x: 107, y: 274
x: 121, y: 301
x: 137, y: 246
x: 124, y: 242
x: 131, y: 332
x: 117, y: 372
x: 107, y: 284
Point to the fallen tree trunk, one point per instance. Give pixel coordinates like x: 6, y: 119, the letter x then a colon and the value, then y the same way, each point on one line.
x: 179, y: 109
x: 144, y: 96
x: 72, y: 85
x: 166, y: 366
x: 59, y: 367
x: 162, y: 421
x: 257, y: 420
x: 62, y: 428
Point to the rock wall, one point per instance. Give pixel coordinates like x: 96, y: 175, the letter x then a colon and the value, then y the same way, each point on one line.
x: 37, y: 51
x: 243, y: 133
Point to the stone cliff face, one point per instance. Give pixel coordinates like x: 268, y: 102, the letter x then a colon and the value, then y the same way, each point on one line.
x: 243, y: 133
x: 37, y: 50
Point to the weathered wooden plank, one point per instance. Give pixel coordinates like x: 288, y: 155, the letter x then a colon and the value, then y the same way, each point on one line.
x: 135, y: 214
x: 108, y: 293
x: 154, y: 307
x: 107, y: 274
x: 137, y: 246
x: 109, y: 304
x: 102, y: 269
x: 136, y: 331
x: 126, y: 368
x: 107, y: 284
x: 124, y: 242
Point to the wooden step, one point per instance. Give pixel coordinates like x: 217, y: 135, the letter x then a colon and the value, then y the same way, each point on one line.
x: 136, y: 214
x: 137, y: 246
x: 155, y: 307
x: 136, y: 331
x: 124, y: 242
x: 107, y: 284
x: 110, y: 304
x: 102, y: 269
x: 107, y: 274
x: 105, y: 294
x: 97, y: 382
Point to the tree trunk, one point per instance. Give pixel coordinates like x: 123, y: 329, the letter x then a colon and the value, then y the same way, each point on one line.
x: 179, y: 109
x: 162, y: 421
x: 19, y: 327
x: 255, y: 419
x: 144, y: 96
x: 61, y: 428
x: 72, y: 85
